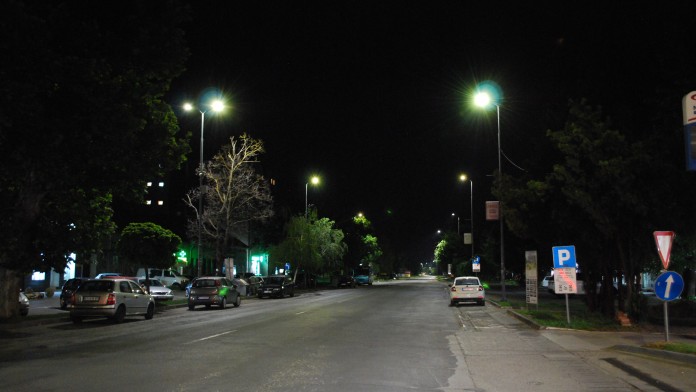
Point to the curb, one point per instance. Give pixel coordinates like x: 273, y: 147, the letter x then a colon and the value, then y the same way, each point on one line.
x: 662, y: 354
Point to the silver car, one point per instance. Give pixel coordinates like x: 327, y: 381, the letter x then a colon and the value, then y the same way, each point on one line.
x: 111, y: 298
x: 158, y: 290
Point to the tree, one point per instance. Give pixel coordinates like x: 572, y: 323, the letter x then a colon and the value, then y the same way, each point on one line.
x: 148, y: 245
x: 82, y: 121
x: 311, y: 244
x: 451, y: 250
x: 234, y: 194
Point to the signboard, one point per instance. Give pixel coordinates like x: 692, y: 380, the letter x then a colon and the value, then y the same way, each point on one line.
x: 663, y: 240
x: 565, y: 280
x: 492, y: 210
x: 476, y: 264
x: 468, y: 239
x: 689, y: 113
x: 530, y: 257
x: 669, y: 286
x: 564, y: 257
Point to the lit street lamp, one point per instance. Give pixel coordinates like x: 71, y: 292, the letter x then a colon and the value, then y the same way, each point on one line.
x: 216, y: 106
x: 315, y: 181
x: 463, y: 178
x: 483, y: 99
x: 454, y: 214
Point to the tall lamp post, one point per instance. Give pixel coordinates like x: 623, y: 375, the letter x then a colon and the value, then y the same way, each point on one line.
x: 215, y: 106
x: 463, y: 178
x: 314, y: 181
x: 483, y: 99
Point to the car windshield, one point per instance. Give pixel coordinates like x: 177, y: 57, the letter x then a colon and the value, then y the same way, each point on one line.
x: 153, y: 282
x: 466, y: 281
x: 97, y: 285
x: 274, y: 280
x: 206, y: 283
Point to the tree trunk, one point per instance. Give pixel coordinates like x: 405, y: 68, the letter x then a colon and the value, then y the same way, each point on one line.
x: 9, y: 293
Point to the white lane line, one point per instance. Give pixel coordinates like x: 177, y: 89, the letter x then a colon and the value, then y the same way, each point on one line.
x: 299, y: 313
x: 211, y: 336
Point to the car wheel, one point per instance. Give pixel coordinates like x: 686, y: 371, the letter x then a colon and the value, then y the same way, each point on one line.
x: 150, y: 312
x: 76, y: 319
x: 207, y: 306
x: 482, y: 303
x: 176, y: 286
x: 191, y: 306
x: 292, y: 293
x: 223, y: 303
x: 120, y: 314
x: 238, y: 301
x: 63, y: 304
x: 452, y: 303
x: 260, y: 296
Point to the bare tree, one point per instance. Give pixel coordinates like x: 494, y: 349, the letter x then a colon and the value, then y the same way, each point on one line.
x: 234, y: 195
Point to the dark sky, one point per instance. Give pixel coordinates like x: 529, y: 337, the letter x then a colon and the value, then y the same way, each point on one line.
x: 372, y: 95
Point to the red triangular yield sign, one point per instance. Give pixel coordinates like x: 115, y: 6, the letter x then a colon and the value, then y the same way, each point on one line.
x: 663, y: 240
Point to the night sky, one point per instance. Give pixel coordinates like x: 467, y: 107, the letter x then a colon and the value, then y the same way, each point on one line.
x: 372, y: 95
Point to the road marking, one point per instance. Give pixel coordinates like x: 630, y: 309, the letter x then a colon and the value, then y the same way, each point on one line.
x: 211, y: 336
x: 296, y: 314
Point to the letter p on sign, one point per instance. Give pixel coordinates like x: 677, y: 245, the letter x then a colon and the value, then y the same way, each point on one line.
x: 564, y: 257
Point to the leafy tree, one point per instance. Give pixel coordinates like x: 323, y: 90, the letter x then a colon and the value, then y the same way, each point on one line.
x: 451, y: 250
x: 82, y: 121
x: 148, y: 245
x: 312, y: 245
x: 234, y: 194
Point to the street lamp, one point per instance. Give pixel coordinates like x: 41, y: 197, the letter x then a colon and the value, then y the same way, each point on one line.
x: 483, y: 99
x: 463, y: 178
x: 315, y: 181
x: 453, y: 215
x: 215, y: 106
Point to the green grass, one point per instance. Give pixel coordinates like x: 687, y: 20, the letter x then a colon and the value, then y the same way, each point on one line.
x: 684, y: 348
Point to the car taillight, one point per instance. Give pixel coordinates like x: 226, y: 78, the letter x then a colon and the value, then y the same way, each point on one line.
x: 111, y: 300
x: 480, y: 288
x: 453, y: 288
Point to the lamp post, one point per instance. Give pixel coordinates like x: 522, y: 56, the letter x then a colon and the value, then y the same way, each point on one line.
x: 454, y: 214
x: 216, y: 106
x: 315, y: 181
x: 463, y: 178
x: 483, y: 99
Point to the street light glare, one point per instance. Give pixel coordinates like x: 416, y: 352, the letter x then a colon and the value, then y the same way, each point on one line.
x: 462, y: 177
x: 217, y: 105
x: 482, y: 99
x: 315, y: 180
x: 188, y: 107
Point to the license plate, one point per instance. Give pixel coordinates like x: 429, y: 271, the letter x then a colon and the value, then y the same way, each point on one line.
x: 468, y: 289
x: 202, y: 297
x: 91, y: 299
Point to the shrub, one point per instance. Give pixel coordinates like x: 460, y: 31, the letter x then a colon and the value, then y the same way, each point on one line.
x: 50, y: 291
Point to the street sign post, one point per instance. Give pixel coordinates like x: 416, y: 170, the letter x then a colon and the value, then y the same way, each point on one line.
x: 564, y: 264
x: 668, y: 287
x: 476, y: 264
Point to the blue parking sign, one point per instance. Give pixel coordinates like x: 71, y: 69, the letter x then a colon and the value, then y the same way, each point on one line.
x: 564, y: 257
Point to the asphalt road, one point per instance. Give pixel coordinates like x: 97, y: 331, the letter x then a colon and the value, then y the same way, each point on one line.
x: 393, y: 336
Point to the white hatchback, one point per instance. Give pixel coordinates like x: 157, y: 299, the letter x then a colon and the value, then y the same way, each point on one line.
x: 467, y: 289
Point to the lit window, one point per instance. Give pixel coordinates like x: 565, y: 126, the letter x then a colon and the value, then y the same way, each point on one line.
x: 148, y: 202
x: 37, y: 275
x: 149, y: 183
x: 160, y: 202
x: 161, y: 184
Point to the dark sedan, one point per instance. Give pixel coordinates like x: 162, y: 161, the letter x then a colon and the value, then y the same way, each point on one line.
x: 276, y: 286
x: 346, y: 281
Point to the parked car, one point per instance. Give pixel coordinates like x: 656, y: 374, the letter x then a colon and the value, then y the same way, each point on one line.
x: 112, y: 298
x: 68, y: 289
x: 157, y: 290
x: 545, y: 281
x: 23, y: 304
x: 276, y: 286
x: 467, y: 289
x: 213, y: 290
x: 169, y: 277
x: 254, y: 284
x: 105, y: 274
x: 346, y: 281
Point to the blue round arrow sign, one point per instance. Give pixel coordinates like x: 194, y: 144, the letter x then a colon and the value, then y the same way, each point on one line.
x: 669, y: 286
